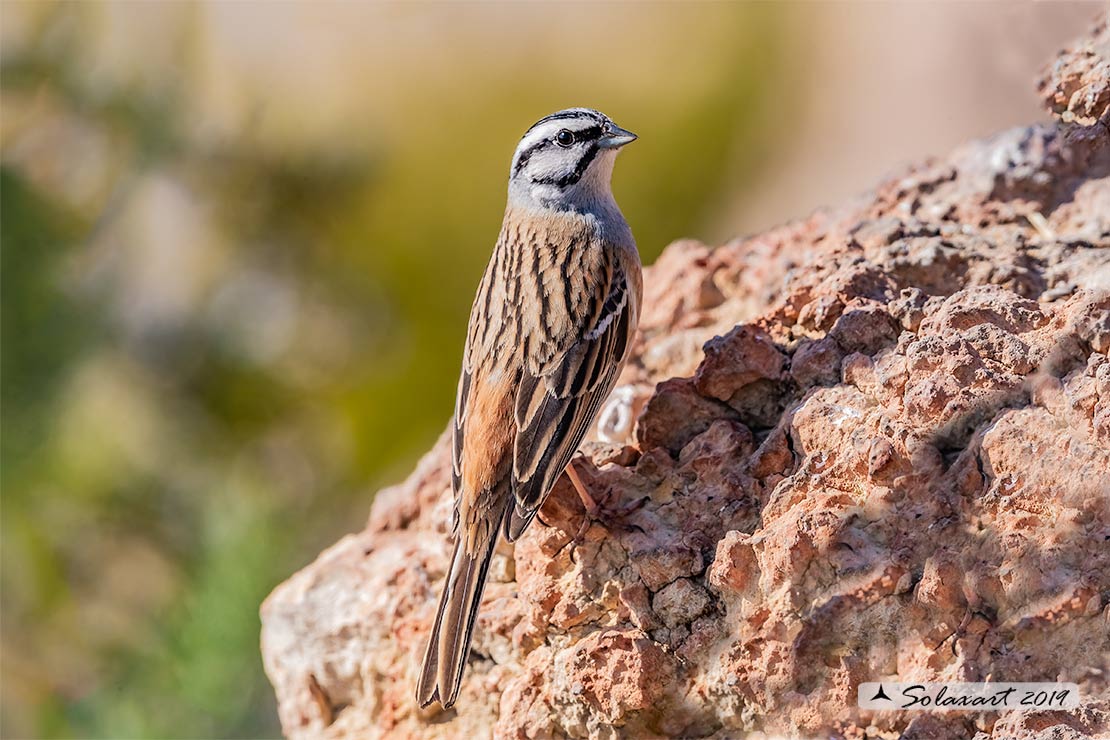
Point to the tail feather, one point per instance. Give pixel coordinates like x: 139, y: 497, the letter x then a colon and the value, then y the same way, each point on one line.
x: 449, y: 642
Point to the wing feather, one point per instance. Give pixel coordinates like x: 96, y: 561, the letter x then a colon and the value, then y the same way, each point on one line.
x: 556, y: 404
x: 457, y: 424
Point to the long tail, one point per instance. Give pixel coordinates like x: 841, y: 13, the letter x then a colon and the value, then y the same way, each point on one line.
x: 449, y: 642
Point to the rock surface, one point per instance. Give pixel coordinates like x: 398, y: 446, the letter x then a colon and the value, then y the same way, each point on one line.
x: 873, y: 444
x: 1076, y: 86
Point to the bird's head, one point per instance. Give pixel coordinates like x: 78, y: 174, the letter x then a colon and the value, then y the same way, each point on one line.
x: 566, y: 160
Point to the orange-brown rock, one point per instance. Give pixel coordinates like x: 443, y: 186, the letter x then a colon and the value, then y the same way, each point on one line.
x: 871, y: 445
x: 1076, y: 86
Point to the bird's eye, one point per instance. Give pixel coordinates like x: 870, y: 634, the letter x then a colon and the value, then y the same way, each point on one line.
x: 564, y: 138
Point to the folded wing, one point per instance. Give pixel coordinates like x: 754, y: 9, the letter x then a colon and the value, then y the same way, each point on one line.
x: 557, y: 401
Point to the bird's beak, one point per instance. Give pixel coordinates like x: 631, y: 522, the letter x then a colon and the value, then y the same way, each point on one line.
x: 616, y: 137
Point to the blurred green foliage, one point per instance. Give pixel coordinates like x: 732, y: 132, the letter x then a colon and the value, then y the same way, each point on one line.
x: 221, y: 333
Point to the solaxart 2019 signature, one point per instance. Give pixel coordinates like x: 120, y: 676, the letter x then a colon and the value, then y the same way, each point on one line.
x: 968, y: 696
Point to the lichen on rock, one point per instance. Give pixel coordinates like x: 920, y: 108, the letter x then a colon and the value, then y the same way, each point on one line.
x: 873, y: 444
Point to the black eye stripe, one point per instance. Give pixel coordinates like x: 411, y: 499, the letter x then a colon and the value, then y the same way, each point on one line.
x: 589, y: 134
x: 592, y: 133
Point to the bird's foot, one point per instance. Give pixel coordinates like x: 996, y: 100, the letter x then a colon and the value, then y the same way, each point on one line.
x: 599, y: 509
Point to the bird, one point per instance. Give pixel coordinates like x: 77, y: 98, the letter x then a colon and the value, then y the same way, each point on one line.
x: 550, y: 328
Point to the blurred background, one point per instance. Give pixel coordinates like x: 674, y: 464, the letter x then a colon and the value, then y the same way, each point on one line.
x: 240, y: 241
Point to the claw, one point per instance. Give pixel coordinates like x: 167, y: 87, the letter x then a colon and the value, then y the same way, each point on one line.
x: 578, y: 538
x: 570, y: 541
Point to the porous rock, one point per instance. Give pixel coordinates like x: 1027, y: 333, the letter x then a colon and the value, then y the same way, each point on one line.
x: 1076, y: 85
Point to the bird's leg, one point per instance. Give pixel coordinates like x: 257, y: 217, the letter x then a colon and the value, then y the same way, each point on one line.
x: 588, y: 501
